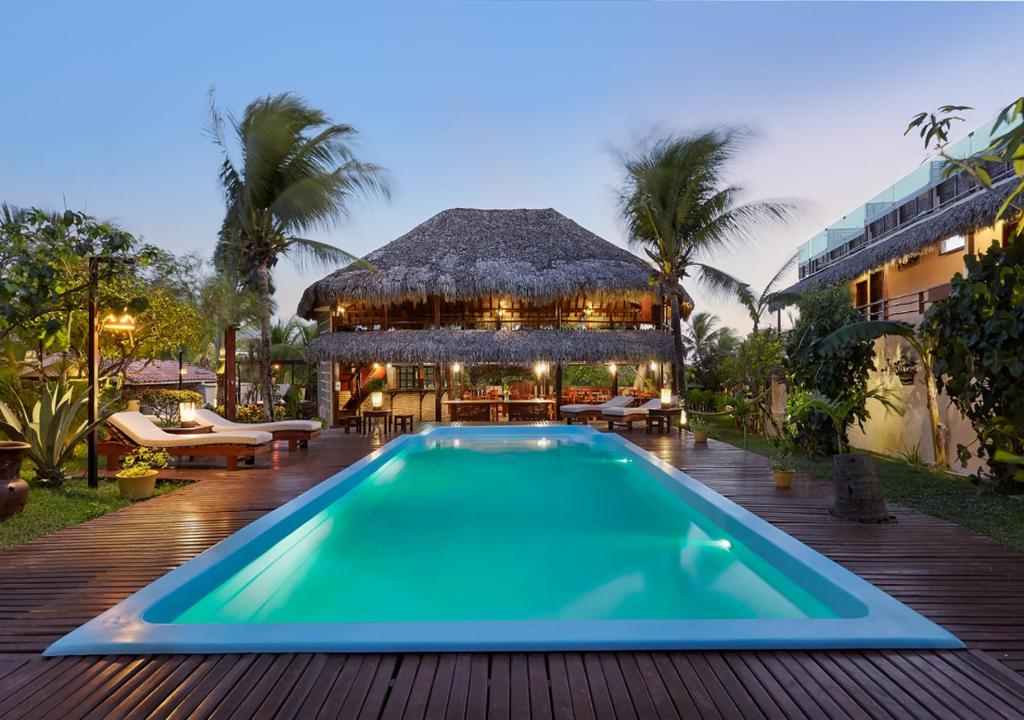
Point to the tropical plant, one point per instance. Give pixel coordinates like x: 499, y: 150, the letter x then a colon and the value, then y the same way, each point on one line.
x: 50, y: 428
x: 866, y: 331
x: 697, y: 423
x: 977, y: 355
x: 841, y: 371
x: 708, y: 345
x: 165, y: 404
x: 742, y: 410
x: 781, y: 460
x: 757, y: 305
x: 933, y: 128
x: 142, y: 461
x: 680, y: 210
x: 844, y: 410
x: 297, y: 172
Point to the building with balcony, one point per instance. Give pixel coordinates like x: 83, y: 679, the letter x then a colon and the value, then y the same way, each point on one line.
x: 897, y: 253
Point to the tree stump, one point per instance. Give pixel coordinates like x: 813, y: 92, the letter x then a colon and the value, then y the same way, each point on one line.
x: 858, y: 493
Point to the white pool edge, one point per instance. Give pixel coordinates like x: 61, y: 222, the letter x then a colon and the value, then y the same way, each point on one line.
x: 888, y: 623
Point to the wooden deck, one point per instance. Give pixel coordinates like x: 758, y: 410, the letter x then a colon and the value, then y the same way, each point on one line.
x: 972, y: 586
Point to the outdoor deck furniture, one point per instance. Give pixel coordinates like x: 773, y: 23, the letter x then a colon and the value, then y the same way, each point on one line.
x: 662, y: 418
x: 472, y: 410
x: 592, y: 412
x: 380, y: 418
x: 130, y: 429
x: 350, y: 422
x: 403, y: 423
x: 298, y: 433
x: 519, y: 410
x: 628, y: 415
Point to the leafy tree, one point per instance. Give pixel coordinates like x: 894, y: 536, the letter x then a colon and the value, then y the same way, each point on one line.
x: 680, y: 210
x: 36, y: 247
x: 840, y: 374
x: 708, y: 348
x: 757, y: 305
x: 757, y: 360
x: 922, y: 344
x: 978, y: 353
x: 297, y: 172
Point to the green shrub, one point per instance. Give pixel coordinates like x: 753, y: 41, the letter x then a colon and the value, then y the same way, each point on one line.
x: 50, y: 429
x: 164, y: 403
x: 978, y: 355
x: 838, y: 375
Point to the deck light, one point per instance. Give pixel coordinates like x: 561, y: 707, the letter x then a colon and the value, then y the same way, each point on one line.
x: 666, y: 397
x: 187, y: 414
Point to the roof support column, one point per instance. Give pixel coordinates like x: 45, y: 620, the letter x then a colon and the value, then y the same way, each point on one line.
x: 558, y: 391
x: 438, y: 376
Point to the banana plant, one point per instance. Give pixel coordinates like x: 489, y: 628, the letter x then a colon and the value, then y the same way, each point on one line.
x: 922, y: 345
x: 49, y: 429
x: 841, y: 410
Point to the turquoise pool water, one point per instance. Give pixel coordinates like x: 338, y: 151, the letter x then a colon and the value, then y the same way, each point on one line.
x: 506, y: 530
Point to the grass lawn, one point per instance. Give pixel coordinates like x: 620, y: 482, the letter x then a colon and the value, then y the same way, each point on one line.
x: 941, y: 495
x: 52, y: 509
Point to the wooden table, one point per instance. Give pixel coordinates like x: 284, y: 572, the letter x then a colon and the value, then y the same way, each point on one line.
x: 481, y: 410
x: 376, y: 416
x: 662, y: 417
x: 533, y: 409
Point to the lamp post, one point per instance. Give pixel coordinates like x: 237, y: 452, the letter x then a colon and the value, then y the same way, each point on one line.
x: 181, y: 368
x: 124, y: 323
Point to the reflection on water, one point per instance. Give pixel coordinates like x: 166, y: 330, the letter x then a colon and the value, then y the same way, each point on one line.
x: 553, y: 531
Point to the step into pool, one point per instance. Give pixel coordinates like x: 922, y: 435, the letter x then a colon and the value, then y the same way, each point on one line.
x: 506, y: 538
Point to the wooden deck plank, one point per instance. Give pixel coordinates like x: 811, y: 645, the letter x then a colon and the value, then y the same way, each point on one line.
x: 968, y: 584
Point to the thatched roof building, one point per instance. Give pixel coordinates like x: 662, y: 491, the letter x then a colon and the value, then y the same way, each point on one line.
x: 494, y: 346
x: 509, y: 286
x: 465, y: 253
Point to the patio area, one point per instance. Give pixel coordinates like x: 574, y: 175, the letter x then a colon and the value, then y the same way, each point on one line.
x: 968, y: 584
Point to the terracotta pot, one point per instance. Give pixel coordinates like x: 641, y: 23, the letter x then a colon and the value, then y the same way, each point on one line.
x: 137, y: 487
x: 700, y: 436
x: 858, y: 492
x: 13, y: 490
x: 783, y: 478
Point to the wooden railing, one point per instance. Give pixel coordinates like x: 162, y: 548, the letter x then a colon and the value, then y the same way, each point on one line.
x: 908, y: 307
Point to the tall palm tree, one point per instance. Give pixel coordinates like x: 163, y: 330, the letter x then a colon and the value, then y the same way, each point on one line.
x: 680, y: 210
x: 757, y: 305
x: 296, y: 172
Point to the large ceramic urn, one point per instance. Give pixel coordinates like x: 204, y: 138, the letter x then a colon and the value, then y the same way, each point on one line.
x: 13, y: 490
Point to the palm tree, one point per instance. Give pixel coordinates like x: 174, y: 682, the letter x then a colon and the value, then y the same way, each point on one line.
x: 758, y: 305
x: 296, y: 172
x: 680, y: 210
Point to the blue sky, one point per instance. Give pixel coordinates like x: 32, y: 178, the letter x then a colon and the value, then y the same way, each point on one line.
x: 486, y: 104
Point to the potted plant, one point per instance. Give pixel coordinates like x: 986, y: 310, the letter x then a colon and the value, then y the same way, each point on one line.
x: 781, y: 464
x: 700, y: 428
x: 858, y: 494
x: 137, y: 478
x: 13, y: 490
x: 905, y: 367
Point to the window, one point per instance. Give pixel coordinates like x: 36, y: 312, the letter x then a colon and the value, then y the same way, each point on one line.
x: 408, y: 377
x: 952, y: 244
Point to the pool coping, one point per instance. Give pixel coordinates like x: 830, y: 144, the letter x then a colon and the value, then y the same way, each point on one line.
x: 886, y: 622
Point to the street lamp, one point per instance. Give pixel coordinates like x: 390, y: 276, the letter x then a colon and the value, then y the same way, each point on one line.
x: 122, y: 323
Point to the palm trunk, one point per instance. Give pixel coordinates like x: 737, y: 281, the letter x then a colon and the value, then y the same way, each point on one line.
x: 266, y: 379
x: 938, y: 447
x: 677, y: 348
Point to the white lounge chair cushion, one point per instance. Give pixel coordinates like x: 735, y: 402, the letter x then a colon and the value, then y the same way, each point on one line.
x: 142, y: 431
x: 209, y: 418
x: 652, y: 404
x: 617, y: 401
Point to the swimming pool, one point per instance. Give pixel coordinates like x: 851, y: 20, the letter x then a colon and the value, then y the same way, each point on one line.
x: 514, y: 538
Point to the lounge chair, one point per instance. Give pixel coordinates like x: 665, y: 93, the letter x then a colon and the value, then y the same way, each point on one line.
x: 588, y: 412
x: 629, y: 415
x: 298, y: 433
x: 129, y: 430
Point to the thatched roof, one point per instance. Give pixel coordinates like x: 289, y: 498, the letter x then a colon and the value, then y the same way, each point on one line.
x: 464, y: 253
x: 492, y: 346
x: 974, y: 212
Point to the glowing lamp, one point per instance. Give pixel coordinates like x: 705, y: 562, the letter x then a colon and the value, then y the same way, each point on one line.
x: 682, y: 417
x: 654, y: 366
x: 666, y: 397
x: 119, y: 323
x: 456, y: 367
x: 613, y: 368
x: 187, y: 414
x: 540, y: 369
x: 377, y: 399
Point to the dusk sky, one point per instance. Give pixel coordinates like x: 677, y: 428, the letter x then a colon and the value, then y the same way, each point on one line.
x: 487, y: 105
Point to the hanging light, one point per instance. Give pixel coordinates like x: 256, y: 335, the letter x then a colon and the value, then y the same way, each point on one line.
x: 613, y: 368
x: 119, y: 323
x: 541, y: 369
x: 456, y: 367
x: 654, y: 366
